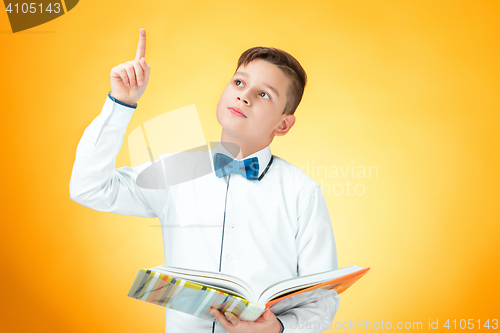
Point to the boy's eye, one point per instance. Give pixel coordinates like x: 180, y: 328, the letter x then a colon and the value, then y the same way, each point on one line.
x: 265, y: 94
x: 260, y: 94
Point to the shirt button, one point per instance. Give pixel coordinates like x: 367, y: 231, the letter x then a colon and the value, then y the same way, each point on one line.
x: 121, y: 114
x: 232, y: 225
x: 235, y: 194
x: 229, y: 257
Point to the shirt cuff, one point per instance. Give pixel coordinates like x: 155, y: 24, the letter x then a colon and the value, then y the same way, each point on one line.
x: 120, y: 102
x: 282, y: 327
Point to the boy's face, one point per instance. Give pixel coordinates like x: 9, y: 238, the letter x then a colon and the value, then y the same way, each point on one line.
x: 259, y: 91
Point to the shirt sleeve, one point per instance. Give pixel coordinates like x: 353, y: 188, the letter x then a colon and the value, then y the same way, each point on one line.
x: 121, y: 103
x: 316, y: 253
x: 95, y: 183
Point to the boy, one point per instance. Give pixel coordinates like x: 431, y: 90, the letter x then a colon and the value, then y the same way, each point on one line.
x: 255, y: 216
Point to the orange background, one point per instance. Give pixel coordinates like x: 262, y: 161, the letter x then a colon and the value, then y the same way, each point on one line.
x: 411, y: 87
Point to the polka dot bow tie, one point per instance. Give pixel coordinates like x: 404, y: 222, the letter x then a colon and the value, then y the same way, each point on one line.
x: 225, y: 165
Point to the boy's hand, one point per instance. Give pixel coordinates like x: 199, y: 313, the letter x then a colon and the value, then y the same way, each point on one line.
x: 266, y: 323
x: 132, y: 73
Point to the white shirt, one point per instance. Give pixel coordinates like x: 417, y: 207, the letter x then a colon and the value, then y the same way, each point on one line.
x: 262, y: 231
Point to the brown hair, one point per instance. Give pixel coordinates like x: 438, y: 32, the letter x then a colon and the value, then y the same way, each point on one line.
x: 290, y: 67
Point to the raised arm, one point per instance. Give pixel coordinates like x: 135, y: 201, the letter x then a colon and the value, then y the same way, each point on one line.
x: 95, y: 183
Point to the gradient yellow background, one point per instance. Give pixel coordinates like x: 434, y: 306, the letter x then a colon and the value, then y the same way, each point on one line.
x: 411, y: 87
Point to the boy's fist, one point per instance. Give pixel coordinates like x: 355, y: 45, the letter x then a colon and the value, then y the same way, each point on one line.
x: 129, y: 80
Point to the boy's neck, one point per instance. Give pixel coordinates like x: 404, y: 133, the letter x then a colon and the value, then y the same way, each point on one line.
x: 241, y: 149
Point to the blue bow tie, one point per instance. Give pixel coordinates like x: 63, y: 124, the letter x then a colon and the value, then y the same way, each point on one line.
x: 225, y: 165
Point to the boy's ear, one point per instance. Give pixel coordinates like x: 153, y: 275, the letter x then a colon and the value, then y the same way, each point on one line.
x: 285, y: 125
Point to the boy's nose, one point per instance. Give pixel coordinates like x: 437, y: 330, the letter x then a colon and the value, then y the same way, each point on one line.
x: 244, y: 100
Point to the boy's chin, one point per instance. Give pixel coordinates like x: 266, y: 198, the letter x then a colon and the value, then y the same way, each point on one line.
x: 234, y: 132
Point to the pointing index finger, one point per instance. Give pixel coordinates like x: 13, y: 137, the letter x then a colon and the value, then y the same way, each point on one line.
x: 141, y: 48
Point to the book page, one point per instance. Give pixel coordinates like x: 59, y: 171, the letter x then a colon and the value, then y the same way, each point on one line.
x: 301, y: 282
x: 214, y: 279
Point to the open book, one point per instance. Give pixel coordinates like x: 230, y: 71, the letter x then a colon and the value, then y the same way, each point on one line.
x: 195, y: 292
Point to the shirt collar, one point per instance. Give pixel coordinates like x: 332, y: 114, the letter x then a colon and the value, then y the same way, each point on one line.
x: 263, y: 155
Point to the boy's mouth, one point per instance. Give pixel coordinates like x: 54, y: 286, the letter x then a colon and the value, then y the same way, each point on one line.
x: 236, y: 111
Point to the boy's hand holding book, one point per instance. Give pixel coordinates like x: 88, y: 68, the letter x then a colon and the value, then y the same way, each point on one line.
x: 129, y: 80
x: 266, y: 323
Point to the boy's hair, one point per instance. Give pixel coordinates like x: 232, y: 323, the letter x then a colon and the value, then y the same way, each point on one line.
x: 290, y: 67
